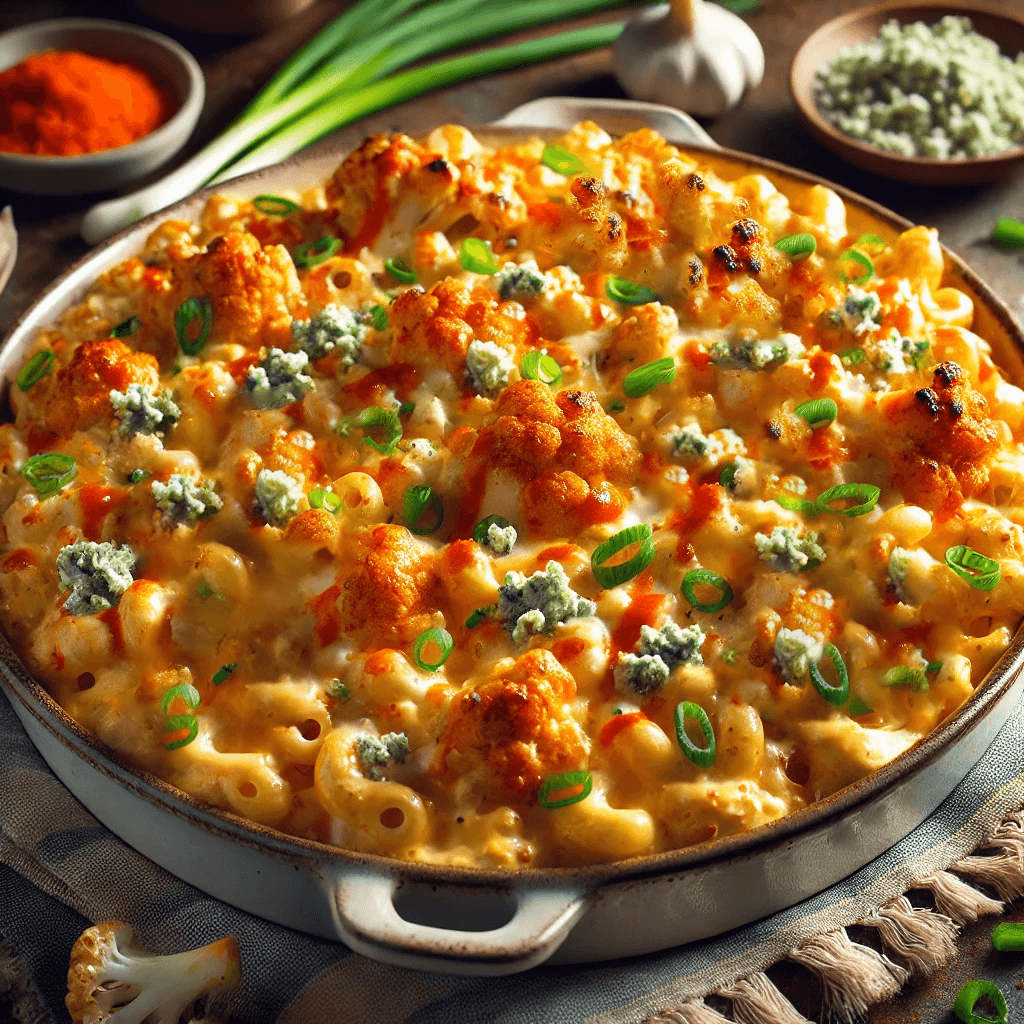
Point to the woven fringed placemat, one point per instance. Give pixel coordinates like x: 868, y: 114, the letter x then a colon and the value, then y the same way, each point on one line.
x: 855, y: 945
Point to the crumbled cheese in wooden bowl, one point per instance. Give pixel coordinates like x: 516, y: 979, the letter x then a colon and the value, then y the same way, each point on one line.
x: 920, y: 90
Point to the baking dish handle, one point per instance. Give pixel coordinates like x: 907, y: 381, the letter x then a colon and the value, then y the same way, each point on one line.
x: 364, y: 912
x: 617, y: 116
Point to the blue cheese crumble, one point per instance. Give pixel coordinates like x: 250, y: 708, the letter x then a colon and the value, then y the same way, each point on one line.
x: 183, y: 502
x: 277, y: 495
x: 795, y: 653
x: 489, y: 367
x: 899, y: 564
x: 755, y: 354
x: 659, y: 653
x: 897, y: 354
x: 142, y: 411
x: 97, y: 574
x: 861, y: 312
x: 278, y: 380
x: 936, y: 91
x: 787, y: 551
x: 334, y: 329
x: 377, y: 754
x: 519, y: 280
x: 501, y: 539
x: 538, y: 603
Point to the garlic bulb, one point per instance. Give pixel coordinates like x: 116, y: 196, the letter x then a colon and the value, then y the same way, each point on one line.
x: 689, y: 54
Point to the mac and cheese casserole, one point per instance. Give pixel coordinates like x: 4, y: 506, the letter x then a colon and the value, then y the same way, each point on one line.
x: 515, y: 505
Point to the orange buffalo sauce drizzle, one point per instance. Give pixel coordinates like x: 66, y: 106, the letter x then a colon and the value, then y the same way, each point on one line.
x: 97, y: 502
x: 643, y: 610
x: 617, y: 723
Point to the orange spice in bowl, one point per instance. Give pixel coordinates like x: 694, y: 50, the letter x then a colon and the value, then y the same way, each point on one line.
x: 63, y: 103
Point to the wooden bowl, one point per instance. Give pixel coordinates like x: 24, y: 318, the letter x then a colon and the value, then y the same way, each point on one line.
x: 860, y: 26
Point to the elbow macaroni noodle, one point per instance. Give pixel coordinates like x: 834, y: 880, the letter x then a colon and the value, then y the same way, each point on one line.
x: 818, y: 459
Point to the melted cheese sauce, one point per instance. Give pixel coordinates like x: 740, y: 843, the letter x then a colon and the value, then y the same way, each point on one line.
x: 297, y: 632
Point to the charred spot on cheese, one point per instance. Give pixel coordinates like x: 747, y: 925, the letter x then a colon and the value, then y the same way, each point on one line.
x: 438, y: 166
x: 743, y: 231
x: 929, y: 400
x: 695, y: 183
x: 696, y: 271
x: 726, y: 255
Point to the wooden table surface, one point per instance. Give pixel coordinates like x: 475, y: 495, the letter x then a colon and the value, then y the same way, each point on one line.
x: 766, y: 124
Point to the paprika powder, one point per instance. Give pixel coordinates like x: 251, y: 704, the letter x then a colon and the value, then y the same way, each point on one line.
x: 62, y: 103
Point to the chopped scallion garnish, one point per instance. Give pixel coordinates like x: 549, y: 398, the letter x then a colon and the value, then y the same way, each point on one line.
x: 441, y: 639
x: 540, y: 366
x: 1008, y: 937
x: 35, y: 369
x: 819, y: 412
x: 864, y: 262
x: 193, y: 311
x: 852, y: 356
x: 575, y: 785
x: 644, y: 379
x: 126, y: 327
x: 476, y: 256
x: 616, y: 405
x: 180, y: 691
x: 50, y: 472
x: 702, y: 757
x: 478, y: 616
x: 980, y: 571
x: 797, y: 247
x: 795, y: 504
x: 387, y: 421
x: 859, y: 707
x: 400, y: 270
x: 866, y: 494
x: 874, y: 244
x: 275, y: 206
x: 618, y: 289
x: 320, y: 497
x: 612, y: 575
x: 834, y: 695
x: 1009, y: 232
x: 338, y: 690
x: 378, y: 317
x: 309, y: 254
x: 178, y: 722
x: 968, y: 996
x: 932, y: 667
x: 405, y: 408
x: 706, y: 578
x: 727, y: 478
x: 224, y: 672
x: 422, y: 510
x: 481, y: 528
x: 905, y: 675
x: 561, y: 160
x: 137, y: 476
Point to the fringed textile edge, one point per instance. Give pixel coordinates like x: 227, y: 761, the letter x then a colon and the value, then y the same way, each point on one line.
x: 915, y: 942
x: 16, y: 990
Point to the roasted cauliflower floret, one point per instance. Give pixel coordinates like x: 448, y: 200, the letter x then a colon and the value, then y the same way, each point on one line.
x: 512, y: 730
x: 78, y: 396
x: 943, y: 438
x: 386, y: 599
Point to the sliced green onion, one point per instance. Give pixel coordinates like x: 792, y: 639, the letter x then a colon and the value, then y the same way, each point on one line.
x: 389, y: 423
x: 126, y: 327
x: 932, y: 667
x: 183, y: 691
x: 399, y: 269
x: 612, y: 575
x: 904, y: 675
x: 309, y: 254
x: 980, y: 571
x: 177, y: 722
x: 275, y: 206
x: 874, y: 244
x: 35, y: 369
x: 419, y: 502
x: 481, y: 528
x: 859, y: 708
x: 1009, y: 232
x: 559, y: 159
x: 137, y: 476
x: 185, y: 315
x: 224, y: 672
x: 866, y: 494
x: 478, y: 616
x: 969, y: 995
x: 795, y: 504
x: 320, y: 497
x: 706, y: 578
x: 49, y: 473
x: 338, y: 690
x: 730, y: 655
x: 852, y: 356
x: 644, y: 379
x: 405, y: 408
x: 702, y: 757
x: 819, y: 412
x: 797, y: 247
x: 852, y: 256
x: 442, y: 638
x: 555, y: 784
x: 727, y: 478
x: 838, y: 694
x: 741, y: 6
x: 542, y: 367
x: 618, y: 289
x: 476, y: 256
x: 378, y: 317
x: 616, y: 405
x: 1008, y: 938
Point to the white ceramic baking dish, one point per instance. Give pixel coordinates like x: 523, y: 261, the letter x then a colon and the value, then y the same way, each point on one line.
x: 490, y: 922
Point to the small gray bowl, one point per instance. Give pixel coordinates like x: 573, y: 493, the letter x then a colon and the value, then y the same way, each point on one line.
x: 171, y: 65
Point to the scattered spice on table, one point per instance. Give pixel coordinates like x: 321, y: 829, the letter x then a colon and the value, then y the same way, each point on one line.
x: 62, y: 103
